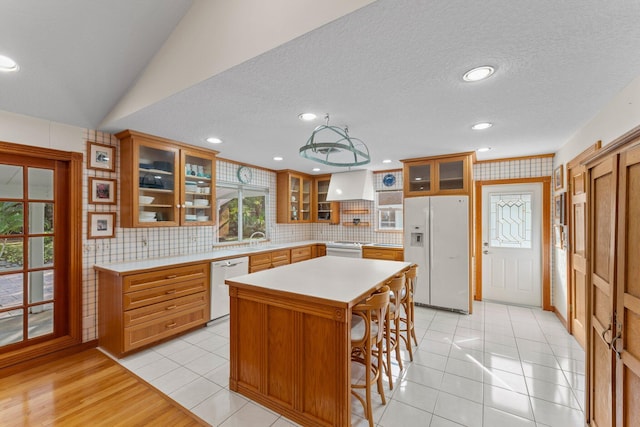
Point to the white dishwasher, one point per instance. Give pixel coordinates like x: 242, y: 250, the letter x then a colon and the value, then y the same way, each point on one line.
x: 220, y: 271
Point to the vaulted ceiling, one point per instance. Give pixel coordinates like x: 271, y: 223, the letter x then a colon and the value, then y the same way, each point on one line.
x: 391, y: 70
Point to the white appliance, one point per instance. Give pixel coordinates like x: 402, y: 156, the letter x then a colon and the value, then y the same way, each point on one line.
x: 436, y: 237
x: 344, y: 249
x: 220, y: 271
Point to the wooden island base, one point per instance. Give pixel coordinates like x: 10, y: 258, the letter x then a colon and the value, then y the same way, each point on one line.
x: 290, y: 349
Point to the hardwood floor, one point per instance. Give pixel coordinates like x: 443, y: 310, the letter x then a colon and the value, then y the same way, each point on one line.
x: 86, y: 388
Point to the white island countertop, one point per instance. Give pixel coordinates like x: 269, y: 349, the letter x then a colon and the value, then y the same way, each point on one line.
x: 337, y: 280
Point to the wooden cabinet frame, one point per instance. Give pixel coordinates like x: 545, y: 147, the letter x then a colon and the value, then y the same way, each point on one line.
x: 435, y: 162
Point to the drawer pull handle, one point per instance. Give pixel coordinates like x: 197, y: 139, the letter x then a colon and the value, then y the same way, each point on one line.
x: 171, y: 307
x: 171, y: 325
x: 172, y: 291
x: 173, y: 276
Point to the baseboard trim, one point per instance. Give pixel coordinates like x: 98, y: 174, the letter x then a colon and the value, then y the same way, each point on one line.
x: 19, y: 367
x: 559, y: 316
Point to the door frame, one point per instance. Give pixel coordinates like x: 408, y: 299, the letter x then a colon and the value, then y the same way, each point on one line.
x: 573, y: 163
x: 74, y: 265
x: 546, y: 234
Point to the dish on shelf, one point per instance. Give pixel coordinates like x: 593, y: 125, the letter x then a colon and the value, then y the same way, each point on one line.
x: 147, y: 215
x: 201, y: 202
x: 202, y: 218
x: 147, y: 219
x: 146, y: 200
x: 190, y: 217
x: 188, y: 203
x: 191, y: 187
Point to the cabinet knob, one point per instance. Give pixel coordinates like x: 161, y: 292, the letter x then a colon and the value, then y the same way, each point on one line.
x: 178, y: 206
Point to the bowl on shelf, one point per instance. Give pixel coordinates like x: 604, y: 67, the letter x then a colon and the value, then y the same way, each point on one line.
x: 201, y: 202
x: 191, y: 187
x: 190, y: 217
x: 202, y: 218
x: 188, y: 203
x: 144, y: 214
x: 146, y: 200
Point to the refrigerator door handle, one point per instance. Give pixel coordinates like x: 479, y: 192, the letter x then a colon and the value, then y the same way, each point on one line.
x: 430, y: 221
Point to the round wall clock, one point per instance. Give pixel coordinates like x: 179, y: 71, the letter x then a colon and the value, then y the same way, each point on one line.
x: 388, y: 180
x: 244, y: 174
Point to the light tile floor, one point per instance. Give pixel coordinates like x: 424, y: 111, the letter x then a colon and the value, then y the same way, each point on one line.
x: 501, y: 366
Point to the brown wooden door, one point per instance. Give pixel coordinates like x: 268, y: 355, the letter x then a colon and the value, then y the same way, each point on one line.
x: 602, y: 288
x: 628, y: 292
x: 578, y: 253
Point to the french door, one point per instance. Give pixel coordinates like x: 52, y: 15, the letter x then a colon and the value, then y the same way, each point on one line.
x: 39, y: 262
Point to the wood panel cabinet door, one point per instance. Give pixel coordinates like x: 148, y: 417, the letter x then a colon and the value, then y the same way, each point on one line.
x: 627, y: 341
x: 577, y: 177
x: 602, y: 358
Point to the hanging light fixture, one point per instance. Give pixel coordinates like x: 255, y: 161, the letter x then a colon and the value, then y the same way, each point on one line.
x: 332, y: 145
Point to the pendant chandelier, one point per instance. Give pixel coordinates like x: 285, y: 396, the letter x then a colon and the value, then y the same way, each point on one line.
x: 332, y: 145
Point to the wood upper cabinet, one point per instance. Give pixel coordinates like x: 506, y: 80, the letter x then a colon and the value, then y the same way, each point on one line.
x: 295, y: 197
x: 324, y: 211
x: 164, y: 182
x: 439, y: 175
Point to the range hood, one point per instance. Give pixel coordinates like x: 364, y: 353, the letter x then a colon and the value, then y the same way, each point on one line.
x: 353, y: 185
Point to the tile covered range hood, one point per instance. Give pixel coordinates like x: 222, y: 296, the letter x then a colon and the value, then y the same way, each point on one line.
x: 352, y: 185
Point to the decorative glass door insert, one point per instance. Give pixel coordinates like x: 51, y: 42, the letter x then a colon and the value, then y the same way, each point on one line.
x: 510, y: 220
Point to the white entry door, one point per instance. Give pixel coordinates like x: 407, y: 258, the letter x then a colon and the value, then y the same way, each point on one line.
x: 511, y: 243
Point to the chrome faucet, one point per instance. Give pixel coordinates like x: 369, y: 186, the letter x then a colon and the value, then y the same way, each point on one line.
x: 251, y: 238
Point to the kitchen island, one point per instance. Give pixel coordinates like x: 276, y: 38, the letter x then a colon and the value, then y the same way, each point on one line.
x: 290, y: 335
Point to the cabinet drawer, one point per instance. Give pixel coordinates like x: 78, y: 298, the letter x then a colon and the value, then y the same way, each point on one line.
x: 156, y: 278
x: 149, y: 332
x: 280, y: 263
x: 260, y: 267
x: 387, y: 254
x: 163, y: 309
x: 260, y: 259
x: 300, y: 254
x: 159, y: 294
x: 279, y: 256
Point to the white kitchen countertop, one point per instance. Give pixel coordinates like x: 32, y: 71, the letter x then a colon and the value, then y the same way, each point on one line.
x: 329, y: 278
x: 213, y: 255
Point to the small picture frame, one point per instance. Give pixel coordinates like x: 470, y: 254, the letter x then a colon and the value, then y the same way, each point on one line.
x: 102, y: 191
x: 559, y: 214
x: 102, y: 225
x: 558, y: 178
x: 558, y: 236
x: 101, y: 157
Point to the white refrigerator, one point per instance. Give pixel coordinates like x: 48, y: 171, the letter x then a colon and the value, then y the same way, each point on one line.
x: 436, y: 237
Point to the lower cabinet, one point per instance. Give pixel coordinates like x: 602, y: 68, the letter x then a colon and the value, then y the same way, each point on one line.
x: 391, y: 254
x: 302, y: 253
x: 138, y: 309
x: 267, y: 260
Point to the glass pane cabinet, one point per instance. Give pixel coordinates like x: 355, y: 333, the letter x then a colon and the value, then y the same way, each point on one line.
x: 165, y: 183
x: 328, y: 212
x: 295, y: 197
x: 438, y: 175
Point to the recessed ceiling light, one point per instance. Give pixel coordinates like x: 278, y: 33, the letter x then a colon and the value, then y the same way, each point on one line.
x: 8, y: 64
x: 483, y: 149
x: 307, y: 116
x: 316, y: 169
x: 481, y: 126
x: 214, y: 140
x: 278, y: 158
x: 386, y: 161
x: 479, y: 73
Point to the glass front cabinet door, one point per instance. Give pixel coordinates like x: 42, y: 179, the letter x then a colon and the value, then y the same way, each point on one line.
x: 430, y: 176
x: 295, y: 197
x: 164, y: 183
x: 326, y: 212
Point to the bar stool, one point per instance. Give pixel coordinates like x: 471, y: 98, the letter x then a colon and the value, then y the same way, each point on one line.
x: 366, y: 344
x: 392, y: 324
x: 411, y: 276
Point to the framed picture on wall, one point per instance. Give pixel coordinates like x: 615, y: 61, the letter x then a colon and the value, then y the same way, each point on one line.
x: 558, y: 178
x: 102, y: 191
x: 559, y: 214
x: 101, y: 157
x: 558, y: 236
x: 102, y: 225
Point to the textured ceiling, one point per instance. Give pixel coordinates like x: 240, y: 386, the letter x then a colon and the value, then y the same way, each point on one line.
x: 391, y: 71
